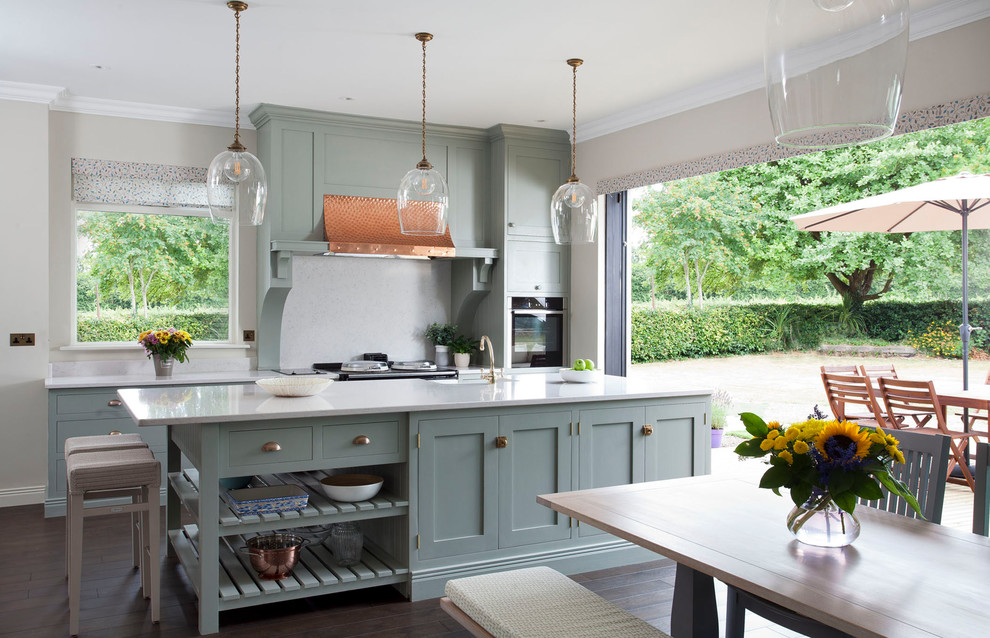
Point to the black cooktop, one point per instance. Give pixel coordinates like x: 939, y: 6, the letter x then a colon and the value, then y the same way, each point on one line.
x: 334, y: 368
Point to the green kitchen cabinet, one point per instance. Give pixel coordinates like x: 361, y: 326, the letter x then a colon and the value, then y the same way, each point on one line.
x: 479, y: 477
x: 681, y: 441
x: 612, y: 449
x: 535, y: 268
x: 458, y: 484
x: 86, y: 412
x: 535, y: 459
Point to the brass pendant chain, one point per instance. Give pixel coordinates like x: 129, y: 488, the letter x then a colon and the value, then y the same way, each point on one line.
x: 424, y: 100
x: 574, y: 125
x: 237, y: 79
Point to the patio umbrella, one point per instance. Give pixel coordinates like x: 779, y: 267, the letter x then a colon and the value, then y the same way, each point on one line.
x: 959, y: 202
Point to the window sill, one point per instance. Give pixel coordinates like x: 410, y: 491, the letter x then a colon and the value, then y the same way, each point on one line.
x: 199, y: 345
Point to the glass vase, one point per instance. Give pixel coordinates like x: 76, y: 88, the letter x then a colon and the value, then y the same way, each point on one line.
x: 346, y: 542
x: 822, y: 523
x: 163, y: 367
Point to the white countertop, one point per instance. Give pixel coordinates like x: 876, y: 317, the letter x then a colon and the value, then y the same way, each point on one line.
x: 148, y: 378
x: 229, y: 403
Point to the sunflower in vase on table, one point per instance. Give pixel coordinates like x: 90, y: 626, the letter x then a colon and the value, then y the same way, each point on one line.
x: 825, y: 464
x: 167, y: 344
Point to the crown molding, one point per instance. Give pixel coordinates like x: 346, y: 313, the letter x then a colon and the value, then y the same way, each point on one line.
x: 923, y: 24
x: 142, y: 111
x: 22, y: 92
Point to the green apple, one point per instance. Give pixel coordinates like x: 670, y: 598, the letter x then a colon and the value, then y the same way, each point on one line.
x: 579, y: 364
x: 589, y: 364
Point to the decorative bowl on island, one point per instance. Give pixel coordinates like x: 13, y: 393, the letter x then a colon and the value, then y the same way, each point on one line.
x: 352, y: 487
x: 580, y: 376
x: 294, y: 386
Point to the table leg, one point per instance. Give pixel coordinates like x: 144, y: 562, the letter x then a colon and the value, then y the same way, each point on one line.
x: 694, y: 613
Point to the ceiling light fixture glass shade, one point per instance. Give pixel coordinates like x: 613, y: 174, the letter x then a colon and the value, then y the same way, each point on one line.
x: 834, y: 70
x: 423, y: 199
x: 574, y: 208
x: 236, y: 187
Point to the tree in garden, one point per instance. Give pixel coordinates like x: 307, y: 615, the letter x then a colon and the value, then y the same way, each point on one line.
x: 153, y: 257
x: 860, y: 266
x: 693, y: 226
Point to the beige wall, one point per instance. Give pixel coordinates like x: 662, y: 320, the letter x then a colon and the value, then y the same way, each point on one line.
x: 36, y: 289
x: 943, y: 67
x: 24, y: 300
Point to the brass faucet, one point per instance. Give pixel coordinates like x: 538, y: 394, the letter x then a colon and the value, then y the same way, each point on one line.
x: 491, y: 357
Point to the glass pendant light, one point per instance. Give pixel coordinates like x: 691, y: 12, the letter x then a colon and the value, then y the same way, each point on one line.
x: 574, y: 209
x: 834, y: 70
x: 235, y: 184
x: 423, y: 200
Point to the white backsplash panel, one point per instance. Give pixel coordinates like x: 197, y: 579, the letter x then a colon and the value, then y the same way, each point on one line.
x: 341, y: 307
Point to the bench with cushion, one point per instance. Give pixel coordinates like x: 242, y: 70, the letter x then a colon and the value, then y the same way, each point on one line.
x: 537, y: 602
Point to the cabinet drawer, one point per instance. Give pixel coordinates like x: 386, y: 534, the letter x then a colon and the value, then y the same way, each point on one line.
x: 153, y: 436
x: 345, y: 440
x: 245, y: 447
x: 92, y: 403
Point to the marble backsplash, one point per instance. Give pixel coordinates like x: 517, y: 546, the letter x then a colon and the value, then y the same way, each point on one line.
x: 143, y: 366
x: 341, y: 307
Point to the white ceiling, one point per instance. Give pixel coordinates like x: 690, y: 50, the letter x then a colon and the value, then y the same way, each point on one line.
x: 491, y: 62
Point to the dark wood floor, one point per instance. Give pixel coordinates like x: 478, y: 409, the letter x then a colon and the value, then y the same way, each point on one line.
x: 34, y: 598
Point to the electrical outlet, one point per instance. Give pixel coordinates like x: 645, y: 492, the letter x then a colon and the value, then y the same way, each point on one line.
x: 22, y: 338
x: 249, y: 335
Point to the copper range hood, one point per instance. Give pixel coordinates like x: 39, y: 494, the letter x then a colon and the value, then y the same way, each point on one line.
x: 370, y: 226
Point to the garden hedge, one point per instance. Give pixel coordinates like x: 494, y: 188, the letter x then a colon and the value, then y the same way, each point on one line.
x: 745, y: 329
x: 201, y: 326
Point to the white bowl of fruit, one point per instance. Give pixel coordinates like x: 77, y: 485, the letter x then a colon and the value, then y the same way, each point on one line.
x: 583, y: 371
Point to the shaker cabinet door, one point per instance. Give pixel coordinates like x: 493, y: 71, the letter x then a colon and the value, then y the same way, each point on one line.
x: 536, y: 460
x: 611, y: 443
x: 458, y: 486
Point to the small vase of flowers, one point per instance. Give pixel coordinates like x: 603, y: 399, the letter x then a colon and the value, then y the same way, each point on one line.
x: 827, y: 466
x: 164, y: 347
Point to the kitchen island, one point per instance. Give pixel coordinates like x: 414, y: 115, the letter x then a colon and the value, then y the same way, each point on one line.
x: 462, y: 462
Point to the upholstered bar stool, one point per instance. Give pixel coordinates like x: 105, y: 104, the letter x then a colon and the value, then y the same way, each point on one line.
x: 101, y: 443
x: 111, y: 473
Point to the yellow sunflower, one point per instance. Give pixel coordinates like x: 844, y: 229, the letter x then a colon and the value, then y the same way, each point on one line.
x: 845, y: 433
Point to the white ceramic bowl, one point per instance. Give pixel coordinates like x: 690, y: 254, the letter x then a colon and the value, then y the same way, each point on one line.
x: 580, y: 376
x: 294, y: 386
x: 352, y: 487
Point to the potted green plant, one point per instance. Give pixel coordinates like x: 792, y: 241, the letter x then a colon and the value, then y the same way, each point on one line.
x: 463, y: 346
x: 440, y: 335
x: 721, y: 402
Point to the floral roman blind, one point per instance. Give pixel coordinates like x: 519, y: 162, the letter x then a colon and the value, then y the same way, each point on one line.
x: 107, y: 182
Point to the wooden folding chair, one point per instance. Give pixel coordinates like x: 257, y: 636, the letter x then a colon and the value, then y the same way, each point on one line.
x: 916, y: 399
x: 843, y: 390
x: 850, y: 369
x: 875, y: 372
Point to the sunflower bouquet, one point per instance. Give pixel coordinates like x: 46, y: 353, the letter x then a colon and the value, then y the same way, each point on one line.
x: 167, y: 344
x: 825, y: 462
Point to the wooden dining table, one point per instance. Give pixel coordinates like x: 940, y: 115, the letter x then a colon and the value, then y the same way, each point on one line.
x: 902, y: 577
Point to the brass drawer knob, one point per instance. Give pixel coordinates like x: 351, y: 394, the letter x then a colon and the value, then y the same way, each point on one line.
x: 362, y: 440
x: 114, y: 432
x: 271, y: 446
x: 113, y: 403
x: 501, y: 441
x: 647, y: 430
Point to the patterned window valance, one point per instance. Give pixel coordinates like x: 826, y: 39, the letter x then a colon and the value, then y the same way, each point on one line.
x: 106, y: 182
x: 972, y: 108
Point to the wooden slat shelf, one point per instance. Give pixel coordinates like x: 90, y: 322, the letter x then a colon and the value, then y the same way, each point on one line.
x: 316, y: 573
x: 320, y: 510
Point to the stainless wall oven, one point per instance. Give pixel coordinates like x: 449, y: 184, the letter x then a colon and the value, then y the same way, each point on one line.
x: 537, y: 332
